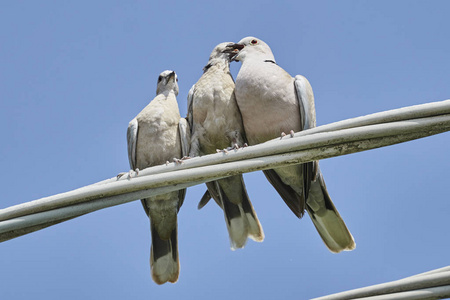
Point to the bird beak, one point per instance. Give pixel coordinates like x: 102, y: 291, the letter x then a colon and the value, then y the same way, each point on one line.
x: 236, y: 46
x: 233, y: 50
x: 171, y: 75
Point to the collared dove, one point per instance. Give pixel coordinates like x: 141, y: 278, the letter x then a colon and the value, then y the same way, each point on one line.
x: 216, y: 122
x: 272, y: 102
x: 158, y: 134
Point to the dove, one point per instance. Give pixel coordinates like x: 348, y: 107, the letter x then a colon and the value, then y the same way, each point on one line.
x: 273, y: 102
x: 156, y: 135
x: 216, y: 123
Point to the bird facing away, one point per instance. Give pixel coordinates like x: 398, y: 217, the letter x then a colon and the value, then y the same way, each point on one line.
x: 156, y: 135
x: 216, y: 123
x: 272, y: 102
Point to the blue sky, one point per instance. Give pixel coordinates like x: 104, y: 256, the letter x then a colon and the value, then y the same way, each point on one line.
x: 73, y: 74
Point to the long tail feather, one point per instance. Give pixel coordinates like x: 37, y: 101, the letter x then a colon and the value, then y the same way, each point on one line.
x: 164, y: 261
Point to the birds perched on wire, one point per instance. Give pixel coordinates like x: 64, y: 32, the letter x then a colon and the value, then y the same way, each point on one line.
x: 216, y: 123
x: 273, y: 102
x: 264, y: 103
x: 158, y: 134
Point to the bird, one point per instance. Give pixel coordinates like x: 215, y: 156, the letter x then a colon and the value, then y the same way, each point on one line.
x: 156, y: 135
x: 216, y: 123
x: 272, y: 102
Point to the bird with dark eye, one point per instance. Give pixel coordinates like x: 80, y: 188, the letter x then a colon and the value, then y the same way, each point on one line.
x: 254, y: 42
x: 159, y: 78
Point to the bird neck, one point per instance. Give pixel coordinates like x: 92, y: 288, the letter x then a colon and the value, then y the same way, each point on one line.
x: 166, y: 93
x: 217, y: 63
x: 259, y: 57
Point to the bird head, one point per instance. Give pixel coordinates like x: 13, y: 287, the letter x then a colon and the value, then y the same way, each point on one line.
x: 167, y: 81
x: 222, y: 53
x: 251, y: 47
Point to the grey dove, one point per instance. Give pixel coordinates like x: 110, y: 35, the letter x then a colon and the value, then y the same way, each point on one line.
x: 156, y: 135
x: 272, y: 102
x: 216, y: 123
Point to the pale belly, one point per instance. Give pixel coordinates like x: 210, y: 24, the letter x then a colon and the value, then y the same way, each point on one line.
x: 265, y: 117
x: 267, y: 101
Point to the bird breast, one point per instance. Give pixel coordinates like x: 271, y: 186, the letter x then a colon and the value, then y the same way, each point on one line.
x: 158, y: 138
x: 265, y: 94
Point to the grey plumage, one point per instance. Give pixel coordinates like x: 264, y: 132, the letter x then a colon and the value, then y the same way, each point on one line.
x: 216, y: 123
x: 156, y: 135
x: 271, y: 102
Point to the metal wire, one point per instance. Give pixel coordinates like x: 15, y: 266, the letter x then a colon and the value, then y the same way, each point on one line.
x: 340, y: 138
x: 430, y: 285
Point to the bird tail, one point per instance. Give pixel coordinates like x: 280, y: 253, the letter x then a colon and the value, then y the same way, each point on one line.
x: 326, y: 218
x: 241, y: 219
x: 164, y: 261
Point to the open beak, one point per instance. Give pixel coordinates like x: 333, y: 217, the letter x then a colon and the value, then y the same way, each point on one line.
x: 233, y: 50
x: 236, y: 46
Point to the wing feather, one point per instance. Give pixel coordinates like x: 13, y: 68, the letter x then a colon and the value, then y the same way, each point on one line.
x: 190, y: 116
x: 131, y: 140
x: 305, y: 98
x: 185, y: 136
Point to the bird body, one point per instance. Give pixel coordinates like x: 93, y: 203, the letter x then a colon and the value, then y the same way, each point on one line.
x: 159, y: 137
x: 272, y: 89
x: 272, y: 102
x: 154, y: 137
x: 215, y: 111
x: 216, y: 123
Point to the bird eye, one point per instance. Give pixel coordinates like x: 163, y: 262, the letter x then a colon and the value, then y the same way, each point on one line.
x: 254, y: 42
x: 177, y: 79
x: 159, y: 78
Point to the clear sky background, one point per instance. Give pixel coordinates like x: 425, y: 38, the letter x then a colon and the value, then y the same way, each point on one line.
x: 73, y: 74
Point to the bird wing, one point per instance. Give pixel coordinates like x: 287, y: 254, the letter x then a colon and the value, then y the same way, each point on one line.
x: 321, y: 209
x: 286, y: 192
x: 190, y: 116
x: 305, y: 98
x: 185, y: 136
x: 131, y: 140
x: 190, y: 120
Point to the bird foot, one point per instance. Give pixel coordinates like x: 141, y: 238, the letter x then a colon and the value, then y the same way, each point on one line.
x: 234, y: 147
x: 222, y: 151
x: 291, y: 133
x: 179, y: 160
x: 130, y: 174
x: 120, y: 175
